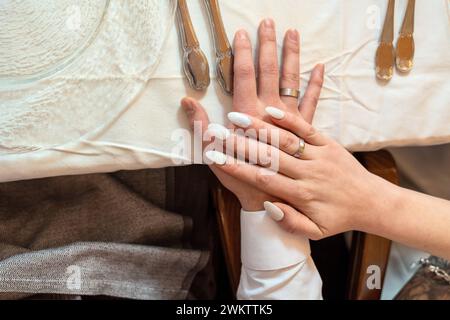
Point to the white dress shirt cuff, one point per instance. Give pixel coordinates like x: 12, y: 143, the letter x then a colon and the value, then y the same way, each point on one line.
x: 267, y: 246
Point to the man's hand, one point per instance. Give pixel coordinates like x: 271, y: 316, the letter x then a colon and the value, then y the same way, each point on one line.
x: 252, y: 96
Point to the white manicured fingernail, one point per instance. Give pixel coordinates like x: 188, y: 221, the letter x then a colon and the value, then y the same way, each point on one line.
x: 273, y: 211
x: 275, y: 112
x: 216, y: 157
x: 218, y: 131
x: 239, y: 119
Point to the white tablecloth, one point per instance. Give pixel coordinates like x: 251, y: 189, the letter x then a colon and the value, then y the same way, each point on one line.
x: 356, y: 110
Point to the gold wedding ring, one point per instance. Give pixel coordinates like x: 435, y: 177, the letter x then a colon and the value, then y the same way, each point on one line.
x: 289, y: 92
x: 301, y: 148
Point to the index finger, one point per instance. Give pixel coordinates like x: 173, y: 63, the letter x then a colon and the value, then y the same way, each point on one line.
x: 263, y: 179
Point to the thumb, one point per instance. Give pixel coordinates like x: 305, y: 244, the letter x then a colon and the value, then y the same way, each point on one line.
x: 199, y: 118
x: 204, y: 131
x: 292, y: 220
x: 195, y: 112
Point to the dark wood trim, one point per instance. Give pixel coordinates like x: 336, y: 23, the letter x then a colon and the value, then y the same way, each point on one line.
x: 228, y: 211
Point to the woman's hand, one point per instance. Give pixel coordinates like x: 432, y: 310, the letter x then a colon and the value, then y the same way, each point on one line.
x: 326, y: 189
x: 252, y: 96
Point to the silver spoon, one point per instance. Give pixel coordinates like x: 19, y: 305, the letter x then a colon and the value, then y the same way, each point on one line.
x: 385, y: 56
x: 195, y: 63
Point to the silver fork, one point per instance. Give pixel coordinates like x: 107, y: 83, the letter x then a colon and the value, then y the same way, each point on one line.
x: 224, y: 53
x: 405, y: 43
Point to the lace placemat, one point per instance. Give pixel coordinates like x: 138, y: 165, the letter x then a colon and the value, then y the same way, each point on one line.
x: 68, y: 68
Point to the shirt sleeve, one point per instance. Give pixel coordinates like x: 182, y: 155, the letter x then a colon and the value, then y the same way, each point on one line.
x: 276, y: 264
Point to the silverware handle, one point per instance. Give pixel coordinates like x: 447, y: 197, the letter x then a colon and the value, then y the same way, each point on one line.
x: 388, y: 28
x: 220, y: 36
x: 408, y: 21
x: 189, y: 37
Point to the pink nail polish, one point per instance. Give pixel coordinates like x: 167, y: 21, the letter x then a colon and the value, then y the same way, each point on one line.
x: 190, y: 111
x: 268, y: 23
x: 293, y: 35
x: 188, y: 108
x: 242, y: 35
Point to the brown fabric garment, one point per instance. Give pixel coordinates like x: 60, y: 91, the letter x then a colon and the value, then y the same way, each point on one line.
x: 188, y: 194
x: 48, y: 216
